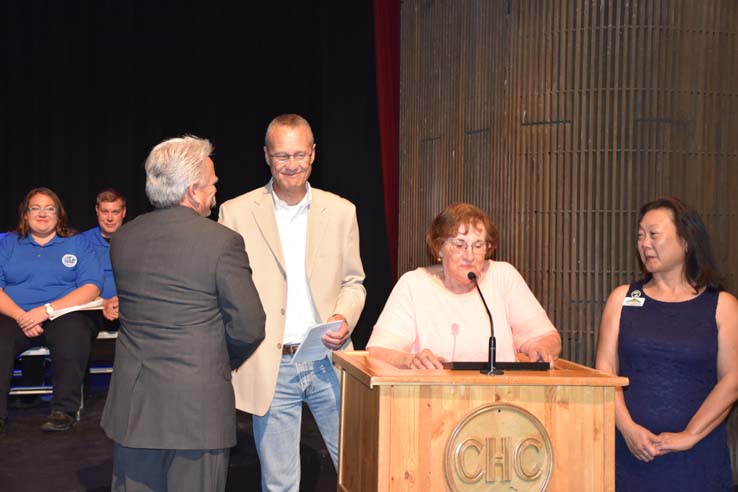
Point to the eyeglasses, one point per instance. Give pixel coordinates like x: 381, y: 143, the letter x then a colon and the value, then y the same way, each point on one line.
x: 37, y: 210
x: 283, y: 157
x: 459, y: 246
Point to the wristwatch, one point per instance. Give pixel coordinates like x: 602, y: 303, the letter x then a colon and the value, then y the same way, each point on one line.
x: 49, y: 309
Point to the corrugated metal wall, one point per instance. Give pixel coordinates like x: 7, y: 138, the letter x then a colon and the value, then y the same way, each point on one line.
x: 560, y: 118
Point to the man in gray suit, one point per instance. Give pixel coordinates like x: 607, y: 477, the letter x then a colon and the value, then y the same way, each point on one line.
x: 189, y: 313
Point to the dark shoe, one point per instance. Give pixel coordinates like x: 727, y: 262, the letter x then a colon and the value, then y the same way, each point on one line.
x: 25, y: 401
x: 59, y: 422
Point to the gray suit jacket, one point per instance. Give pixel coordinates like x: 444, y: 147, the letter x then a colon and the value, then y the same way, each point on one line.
x: 189, y: 313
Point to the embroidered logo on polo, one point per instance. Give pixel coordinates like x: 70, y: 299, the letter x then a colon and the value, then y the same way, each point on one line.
x: 634, y: 299
x: 69, y: 260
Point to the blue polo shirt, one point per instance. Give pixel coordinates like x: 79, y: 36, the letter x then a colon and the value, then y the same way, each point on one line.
x: 32, y: 275
x: 102, y: 249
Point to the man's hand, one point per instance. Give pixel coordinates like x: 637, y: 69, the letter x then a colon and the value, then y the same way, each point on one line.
x: 334, y: 340
x: 110, y: 308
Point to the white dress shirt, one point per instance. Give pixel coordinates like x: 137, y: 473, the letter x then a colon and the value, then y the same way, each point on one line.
x: 292, y: 224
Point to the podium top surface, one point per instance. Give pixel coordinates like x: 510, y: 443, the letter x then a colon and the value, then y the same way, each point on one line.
x: 373, y: 372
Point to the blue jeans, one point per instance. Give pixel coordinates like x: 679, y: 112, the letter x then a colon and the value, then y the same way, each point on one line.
x: 277, y: 433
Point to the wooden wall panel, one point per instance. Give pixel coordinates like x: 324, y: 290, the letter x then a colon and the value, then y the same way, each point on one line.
x: 560, y: 118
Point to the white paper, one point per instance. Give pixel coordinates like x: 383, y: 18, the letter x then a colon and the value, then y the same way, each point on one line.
x: 90, y: 306
x: 312, y: 347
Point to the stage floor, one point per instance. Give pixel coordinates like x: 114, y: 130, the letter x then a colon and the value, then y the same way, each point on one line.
x: 81, y: 460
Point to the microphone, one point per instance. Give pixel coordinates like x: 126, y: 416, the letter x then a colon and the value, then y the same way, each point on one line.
x: 492, y: 355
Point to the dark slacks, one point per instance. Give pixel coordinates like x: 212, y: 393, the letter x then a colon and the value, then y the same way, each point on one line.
x: 68, y: 338
x: 169, y: 470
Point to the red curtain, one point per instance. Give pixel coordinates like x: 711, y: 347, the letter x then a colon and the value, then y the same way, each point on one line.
x: 387, y: 52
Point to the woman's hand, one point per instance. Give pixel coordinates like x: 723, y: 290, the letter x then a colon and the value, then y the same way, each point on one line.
x: 33, y: 331
x: 545, y: 348
x: 425, y: 359
x: 30, y: 321
x: 668, y: 442
x: 34, y: 317
x: 539, y: 352
x: 641, y: 442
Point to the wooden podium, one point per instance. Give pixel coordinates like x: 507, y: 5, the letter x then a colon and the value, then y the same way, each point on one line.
x: 411, y: 430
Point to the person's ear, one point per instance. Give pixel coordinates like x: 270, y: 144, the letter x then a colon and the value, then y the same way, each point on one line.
x: 192, y: 195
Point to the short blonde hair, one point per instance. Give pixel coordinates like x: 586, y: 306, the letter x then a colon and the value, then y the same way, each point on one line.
x: 290, y: 120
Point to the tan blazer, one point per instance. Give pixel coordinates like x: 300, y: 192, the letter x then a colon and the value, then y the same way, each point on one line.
x: 334, y: 271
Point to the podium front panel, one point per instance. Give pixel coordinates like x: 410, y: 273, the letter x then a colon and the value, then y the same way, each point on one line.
x: 400, y: 435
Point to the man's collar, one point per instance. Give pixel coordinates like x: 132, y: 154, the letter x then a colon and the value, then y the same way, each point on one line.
x: 280, y: 204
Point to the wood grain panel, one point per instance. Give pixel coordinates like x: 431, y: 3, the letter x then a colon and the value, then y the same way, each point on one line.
x: 358, y: 444
x: 396, y: 424
x: 560, y: 118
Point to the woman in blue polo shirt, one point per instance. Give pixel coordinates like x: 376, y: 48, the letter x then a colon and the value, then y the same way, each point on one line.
x: 44, y: 268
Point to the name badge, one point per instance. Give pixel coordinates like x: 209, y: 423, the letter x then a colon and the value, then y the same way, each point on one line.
x: 634, y: 301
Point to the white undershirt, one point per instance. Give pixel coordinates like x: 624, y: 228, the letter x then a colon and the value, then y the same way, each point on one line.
x: 292, y: 221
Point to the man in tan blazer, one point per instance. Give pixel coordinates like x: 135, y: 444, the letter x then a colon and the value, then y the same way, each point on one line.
x: 304, y: 248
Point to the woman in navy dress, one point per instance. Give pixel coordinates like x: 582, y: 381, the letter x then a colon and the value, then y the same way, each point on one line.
x: 674, y: 334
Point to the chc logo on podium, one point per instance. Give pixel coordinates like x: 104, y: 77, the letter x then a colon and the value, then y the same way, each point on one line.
x: 499, y: 447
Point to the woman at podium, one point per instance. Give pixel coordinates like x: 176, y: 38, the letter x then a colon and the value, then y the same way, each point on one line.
x: 435, y: 314
x: 674, y: 334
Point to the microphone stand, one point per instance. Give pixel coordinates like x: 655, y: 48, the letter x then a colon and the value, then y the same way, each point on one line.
x: 491, y: 370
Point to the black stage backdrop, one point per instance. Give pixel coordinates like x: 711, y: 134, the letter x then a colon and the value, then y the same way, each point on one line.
x: 90, y: 87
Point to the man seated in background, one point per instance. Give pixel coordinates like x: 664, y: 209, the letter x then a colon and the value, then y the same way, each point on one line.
x: 110, y: 207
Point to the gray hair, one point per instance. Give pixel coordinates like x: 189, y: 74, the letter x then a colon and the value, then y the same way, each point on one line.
x: 172, y: 166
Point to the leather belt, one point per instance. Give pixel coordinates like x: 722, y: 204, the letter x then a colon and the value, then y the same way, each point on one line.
x: 290, y: 349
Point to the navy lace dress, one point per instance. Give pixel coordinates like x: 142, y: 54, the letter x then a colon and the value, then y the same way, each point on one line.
x: 669, y: 352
